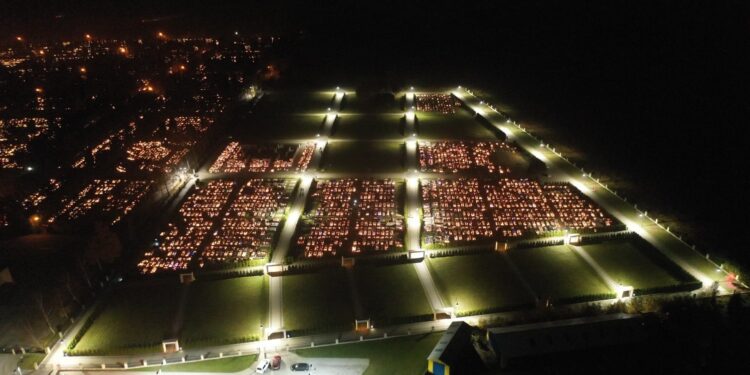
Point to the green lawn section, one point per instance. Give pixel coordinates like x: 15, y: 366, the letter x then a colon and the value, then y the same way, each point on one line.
x: 228, y: 365
x: 28, y: 360
x: 402, y: 355
x: 460, y: 125
x: 369, y: 127
x: 231, y: 309
x: 478, y: 282
x: 371, y: 103
x: 295, y: 102
x: 629, y: 265
x: 136, y: 318
x: 389, y: 292
x: 317, y: 301
x: 557, y: 272
x: 364, y: 157
x: 260, y: 127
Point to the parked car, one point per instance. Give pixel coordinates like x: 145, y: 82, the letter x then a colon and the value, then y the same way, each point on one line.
x: 276, y: 362
x: 301, y: 367
x: 263, y: 365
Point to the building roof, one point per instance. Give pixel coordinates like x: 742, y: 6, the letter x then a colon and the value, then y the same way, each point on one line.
x: 451, y: 346
x: 566, y: 335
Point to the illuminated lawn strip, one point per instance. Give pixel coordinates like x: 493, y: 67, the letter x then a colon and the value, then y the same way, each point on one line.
x: 294, y: 101
x: 556, y: 272
x: 478, y: 282
x: 458, y: 126
x: 402, y: 355
x: 28, y: 360
x: 135, y: 319
x: 262, y: 127
x: 363, y: 157
x: 630, y: 265
x: 317, y: 301
x: 369, y: 127
x: 391, y: 292
x: 371, y: 104
x: 225, y: 311
x: 226, y: 365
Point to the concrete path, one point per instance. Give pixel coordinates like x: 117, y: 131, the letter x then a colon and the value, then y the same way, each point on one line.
x: 275, y: 294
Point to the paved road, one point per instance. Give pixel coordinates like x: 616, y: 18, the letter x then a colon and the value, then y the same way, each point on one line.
x: 8, y: 363
x: 322, y: 366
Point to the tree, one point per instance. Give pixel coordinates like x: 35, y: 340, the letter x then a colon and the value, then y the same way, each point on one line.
x: 103, y: 247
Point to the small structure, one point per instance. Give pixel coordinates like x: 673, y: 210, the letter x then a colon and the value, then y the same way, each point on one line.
x: 187, y: 278
x: 572, y: 239
x: 362, y: 324
x: 274, y: 269
x: 5, y: 275
x: 454, y: 354
x: 347, y: 262
x: 416, y: 255
x: 170, y: 345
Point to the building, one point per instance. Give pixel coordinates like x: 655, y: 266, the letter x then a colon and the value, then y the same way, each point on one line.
x: 454, y: 354
x: 573, y: 336
x: 464, y: 349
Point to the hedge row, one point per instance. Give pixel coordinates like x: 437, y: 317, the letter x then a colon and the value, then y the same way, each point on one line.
x: 496, y: 309
x: 586, y: 298
x: 228, y: 274
x: 404, y: 319
x: 460, y: 251
x: 220, y: 340
x: 154, y: 347
x: 676, y: 288
x: 86, y: 325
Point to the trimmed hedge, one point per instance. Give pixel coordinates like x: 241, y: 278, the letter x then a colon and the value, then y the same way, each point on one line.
x: 497, y: 309
x: 676, y: 288
x: 586, y: 298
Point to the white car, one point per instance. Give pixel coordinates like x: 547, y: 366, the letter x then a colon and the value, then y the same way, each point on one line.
x: 263, y: 365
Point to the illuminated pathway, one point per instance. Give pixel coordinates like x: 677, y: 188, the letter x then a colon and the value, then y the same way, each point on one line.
x: 413, y: 221
x: 666, y: 242
x: 275, y: 286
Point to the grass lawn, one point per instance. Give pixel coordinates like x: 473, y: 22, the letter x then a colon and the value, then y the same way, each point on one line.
x: 478, y: 282
x: 402, y: 355
x: 371, y: 103
x: 391, y: 291
x: 363, y: 157
x: 28, y: 360
x: 134, y: 315
x: 317, y: 301
x: 557, y: 272
x: 260, y: 127
x: 295, y: 102
x: 232, y: 364
x: 630, y: 265
x: 225, y: 309
x: 368, y: 127
x: 460, y: 125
